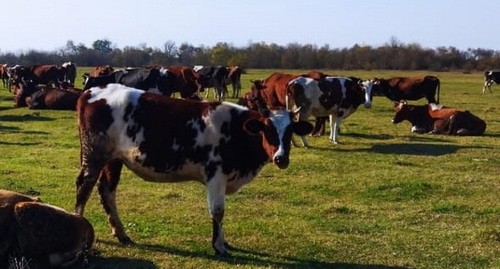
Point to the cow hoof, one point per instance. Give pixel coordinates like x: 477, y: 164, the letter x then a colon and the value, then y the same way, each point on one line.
x: 223, y: 255
x: 126, y: 241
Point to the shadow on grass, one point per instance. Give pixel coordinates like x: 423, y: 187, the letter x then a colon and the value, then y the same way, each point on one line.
x: 370, y: 136
x: 119, y: 262
x: 25, y: 117
x: 244, y: 257
x: 14, y: 129
x: 416, y: 149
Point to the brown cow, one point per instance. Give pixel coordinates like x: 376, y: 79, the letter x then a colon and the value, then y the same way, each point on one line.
x: 437, y: 119
x: 234, y: 78
x: 38, y: 74
x: 186, y: 80
x: 101, y: 70
x: 39, y: 234
x: 4, y: 76
x: 408, y: 88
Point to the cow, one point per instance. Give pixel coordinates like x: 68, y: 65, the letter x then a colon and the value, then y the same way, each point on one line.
x: 436, y: 119
x: 40, y: 234
x: 101, y: 70
x: 165, y: 139
x: 186, y: 80
x: 53, y: 98
x: 212, y: 77
x: 336, y: 97
x: 4, y: 76
x: 69, y: 72
x: 490, y: 77
x: 234, y: 78
x: 160, y: 81
x: 408, y: 88
x: 39, y: 74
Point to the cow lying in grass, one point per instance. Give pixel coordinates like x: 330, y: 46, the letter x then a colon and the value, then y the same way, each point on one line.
x: 437, y: 119
x: 40, y: 234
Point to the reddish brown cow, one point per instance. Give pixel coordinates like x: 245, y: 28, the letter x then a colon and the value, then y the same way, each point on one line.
x: 234, y: 78
x: 40, y: 235
x: 186, y: 80
x: 101, y: 70
x: 439, y: 120
x: 408, y: 88
x: 45, y: 97
x: 38, y: 74
x: 4, y: 75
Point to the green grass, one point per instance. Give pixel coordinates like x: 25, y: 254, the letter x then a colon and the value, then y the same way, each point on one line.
x: 383, y: 198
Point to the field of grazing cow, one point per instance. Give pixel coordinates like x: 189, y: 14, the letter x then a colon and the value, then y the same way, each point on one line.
x: 383, y: 198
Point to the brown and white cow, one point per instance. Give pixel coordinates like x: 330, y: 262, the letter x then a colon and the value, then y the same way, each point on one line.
x: 186, y: 81
x: 42, y: 234
x: 38, y: 74
x: 437, y: 119
x: 165, y: 139
x: 408, y: 88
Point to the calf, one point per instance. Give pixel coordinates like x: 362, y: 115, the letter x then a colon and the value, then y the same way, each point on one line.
x: 43, y: 234
x: 439, y: 120
x: 161, y: 139
x: 404, y: 88
x: 490, y: 77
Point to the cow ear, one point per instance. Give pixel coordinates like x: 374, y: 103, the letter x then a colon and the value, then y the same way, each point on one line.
x: 302, y: 127
x: 253, y: 126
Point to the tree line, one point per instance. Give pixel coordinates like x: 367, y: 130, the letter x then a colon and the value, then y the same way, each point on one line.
x: 393, y: 55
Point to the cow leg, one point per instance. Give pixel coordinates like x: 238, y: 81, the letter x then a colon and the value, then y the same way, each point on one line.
x: 84, y: 184
x: 334, y: 128
x: 216, y: 189
x: 108, y: 182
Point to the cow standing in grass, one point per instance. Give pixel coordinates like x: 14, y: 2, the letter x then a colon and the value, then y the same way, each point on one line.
x: 161, y: 139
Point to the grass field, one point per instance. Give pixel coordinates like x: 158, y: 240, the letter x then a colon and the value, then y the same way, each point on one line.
x: 383, y: 198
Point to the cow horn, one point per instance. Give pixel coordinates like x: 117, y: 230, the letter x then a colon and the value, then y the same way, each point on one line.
x: 297, y: 110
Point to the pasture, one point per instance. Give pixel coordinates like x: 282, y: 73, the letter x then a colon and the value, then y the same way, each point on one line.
x: 382, y: 198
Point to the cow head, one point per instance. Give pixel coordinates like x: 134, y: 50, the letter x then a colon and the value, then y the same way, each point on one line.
x: 276, y: 129
x: 367, y: 86
x: 403, y: 112
x: 378, y: 85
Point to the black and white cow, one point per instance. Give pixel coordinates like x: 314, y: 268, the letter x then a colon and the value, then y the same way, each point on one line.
x: 491, y: 77
x: 159, y: 81
x: 213, y: 77
x: 161, y: 139
x: 336, y: 97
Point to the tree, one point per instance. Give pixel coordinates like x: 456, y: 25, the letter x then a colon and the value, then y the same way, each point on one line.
x: 102, y: 45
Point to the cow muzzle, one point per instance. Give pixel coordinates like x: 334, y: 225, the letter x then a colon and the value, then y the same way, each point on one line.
x: 281, y: 161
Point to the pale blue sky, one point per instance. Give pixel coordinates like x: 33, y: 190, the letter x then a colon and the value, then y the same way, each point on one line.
x: 48, y: 25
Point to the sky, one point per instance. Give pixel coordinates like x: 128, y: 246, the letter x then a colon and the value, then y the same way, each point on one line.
x: 48, y: 25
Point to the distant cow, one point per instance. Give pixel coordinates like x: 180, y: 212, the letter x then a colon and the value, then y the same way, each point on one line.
x: 491, y: 77
x: 159, y: 81
x: 436, y: 119
x: 336, y: 97
x: 161, y: 139
x: 39, y: 74
x: 234, y: 78
x: 101, y: 70
x: 4, y: 76
x: 404, y: 88
x: 186, y: 82
x: 52, y: 98
x: 213, y: 77
x: 42, y: 234
x: 69, y: 72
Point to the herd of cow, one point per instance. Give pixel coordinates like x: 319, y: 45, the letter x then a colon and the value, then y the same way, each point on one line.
x: 127, y: 117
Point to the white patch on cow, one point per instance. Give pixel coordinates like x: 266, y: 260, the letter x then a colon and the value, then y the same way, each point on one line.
x: 119, y: 97
x: 154, y: 90
x: 163, y: 71
x: 435, y: 107
x: 197, y: 68
x: 367, y: 87
x: 66, y: 64
x: 281, y: 121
